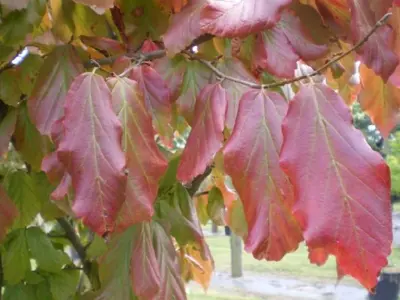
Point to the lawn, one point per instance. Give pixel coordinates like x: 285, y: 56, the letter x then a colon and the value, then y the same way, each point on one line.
x: 294, y: 265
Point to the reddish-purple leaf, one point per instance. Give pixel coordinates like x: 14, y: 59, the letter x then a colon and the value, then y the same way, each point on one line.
x: 342, y: 186
x: 102, y: 44
x: 251, y: 158
x: 172, y: 286
x: 46, y: 104
x: 184, y: 27
x: 376, y: 52
x: 206, y: 136
x: 196, y: 77
x: 277, y: 50
x: 234, y: 67
x: 157, y: 96
x: 7, y: 127
x: 8, y: 212
x: 238, y: 18
x: 91, y: 151
x: 145, y: 271
x: 145, y: 163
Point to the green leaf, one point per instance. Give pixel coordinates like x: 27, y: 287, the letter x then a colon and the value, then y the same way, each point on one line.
x: 43, y: 291
x: 20, y: 188
x: 44, y: 188
x: 16, y: 258
x: 169, y: 178
x: 20, y: 291
x: 97, y: 248
x: 63, y: 285
x: 47, y: 257
x: 115, y: 268
x: 33, y: 277
x: 216, y: 206
x: 19, y: 23
x: 28, y: 141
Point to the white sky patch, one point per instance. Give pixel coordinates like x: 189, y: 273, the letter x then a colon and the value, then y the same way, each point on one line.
x: 20, y: 57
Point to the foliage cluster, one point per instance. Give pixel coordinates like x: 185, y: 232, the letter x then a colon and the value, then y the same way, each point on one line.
x: 131, y: 122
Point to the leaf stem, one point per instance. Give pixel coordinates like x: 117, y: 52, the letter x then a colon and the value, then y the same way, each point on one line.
x: 76, y: 243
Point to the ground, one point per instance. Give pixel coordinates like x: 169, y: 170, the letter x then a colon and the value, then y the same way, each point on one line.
x: 293, y: 278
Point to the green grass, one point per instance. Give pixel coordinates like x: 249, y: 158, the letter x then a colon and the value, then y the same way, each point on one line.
x: 294, y: 264
x: 213, y: 295
x: 396, y: 207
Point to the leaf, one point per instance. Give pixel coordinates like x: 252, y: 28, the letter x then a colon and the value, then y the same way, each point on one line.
x: 8, y: 213
x: 196, y: 77
x: 145, y: 163
x: 15, y: 259
x: 206, y: 136
x: 48, y: 258
x: 238, y: 18
x: 28, y: 141
x: 216, y: 207
x: 277, y: 50
x: 237, y: 69
x: 97, y: 248
x: 97, y: 3
x: 104, y: 44
x: 19, y: 291
x: 172, y: 71
x: 236, y: 219
x: 63, y: 285
x: 252, y: 161
x: 14, y: 5
x: 184, y: 27
x: 180, y: 214
x: 376, y: 52
x: 17, y: 82
x: 379, y: 100
x: 115, y: 267
x: 157, y: 96
x: 145, y: 272
x: 318, y: 256
x: 91, y: 151
x: 20, y: 188
x: 339, y: 210
x: 172, y: 286
x: 174, y: 5
x: 7, y: 127
x: 46, y: 104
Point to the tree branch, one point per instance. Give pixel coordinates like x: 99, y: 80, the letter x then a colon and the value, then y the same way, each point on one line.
x: 198, y: 181
x: 76, y: 243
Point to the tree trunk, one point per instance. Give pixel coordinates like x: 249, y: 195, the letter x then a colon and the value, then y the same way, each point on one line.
x: 236, y: 255
x: 214, y: 228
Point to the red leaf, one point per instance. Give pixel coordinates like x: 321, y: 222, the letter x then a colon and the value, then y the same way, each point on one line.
x: 149, y: 46
x: 206, y: 136
x: 171, y: 282
x: 172, y: 71
x: 46, y: 104
x: 90, y: 150
x: 104, y: 44
x: 184, y: 27
x: 8, y: 213
x: 342, y: 186
x: 157, y: 96
x: 238, y: 18
x: 251, y: 158
x: 234, y: 67
x: 7, y: 127
x: 196, y: 77
x: 145, y: 163
x: 145, y: 272
x: 376, y: 52
x: 318, y: 256
x: 279, y: 49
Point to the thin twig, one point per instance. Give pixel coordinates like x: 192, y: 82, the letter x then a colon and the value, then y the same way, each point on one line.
x: 195, y: 184
x: 76, y: 243
x: 254, y: 85
x: 378, y: 24
x: 201, y: 194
